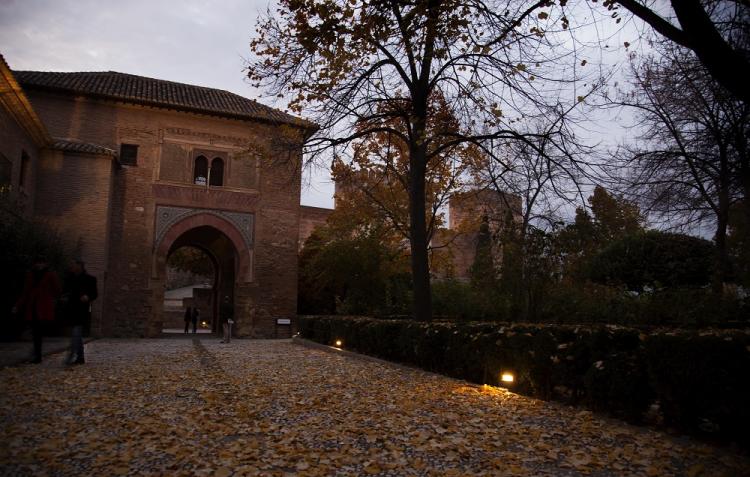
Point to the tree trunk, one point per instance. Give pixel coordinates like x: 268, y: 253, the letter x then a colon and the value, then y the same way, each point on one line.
x: 722, y: 258
x: 420, y: 269
x: 725, y: 64
x: 524, y: 278
x: 722, y: 219
x: 745, y: 180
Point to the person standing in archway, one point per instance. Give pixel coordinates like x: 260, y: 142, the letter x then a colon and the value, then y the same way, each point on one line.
x: 79, y: 292
x: 188, y: 318
x: 37, y: 302
x: 195, y: 317
x: 226, y: 314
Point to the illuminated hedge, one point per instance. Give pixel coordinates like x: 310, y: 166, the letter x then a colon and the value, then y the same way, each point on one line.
x: 698, y: 379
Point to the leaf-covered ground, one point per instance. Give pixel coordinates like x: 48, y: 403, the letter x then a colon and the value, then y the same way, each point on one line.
x: 190, y: 407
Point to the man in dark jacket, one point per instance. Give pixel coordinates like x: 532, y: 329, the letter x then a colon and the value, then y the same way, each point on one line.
x: 79, y: 292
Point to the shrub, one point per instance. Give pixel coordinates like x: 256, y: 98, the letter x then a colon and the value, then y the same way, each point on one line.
x: 653, y: 259
x: 676, y: 307
x: 451, y: 297
x: 698, y: 377
x: 619, y: 384
x: 352, y: 275
x: 701, y: 380
x: 460, y: 300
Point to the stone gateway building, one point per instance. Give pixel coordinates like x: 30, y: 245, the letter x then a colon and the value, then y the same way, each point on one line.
x: 129, y: 169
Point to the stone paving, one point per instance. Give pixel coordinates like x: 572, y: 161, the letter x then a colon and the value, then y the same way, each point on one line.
x: 273, y: 408
x: 17, y: 352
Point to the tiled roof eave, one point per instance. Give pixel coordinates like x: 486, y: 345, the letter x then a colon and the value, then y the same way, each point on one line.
x: 66, y: 145
x: 17, y: 104
x: 307, y: 126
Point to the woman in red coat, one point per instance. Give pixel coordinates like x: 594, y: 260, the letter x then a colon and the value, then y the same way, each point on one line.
x: 37, y: 302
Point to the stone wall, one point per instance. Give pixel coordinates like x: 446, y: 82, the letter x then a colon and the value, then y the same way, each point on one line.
x: 454, y: 248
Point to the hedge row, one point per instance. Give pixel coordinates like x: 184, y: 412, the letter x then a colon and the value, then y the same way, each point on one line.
x: 698, y: 379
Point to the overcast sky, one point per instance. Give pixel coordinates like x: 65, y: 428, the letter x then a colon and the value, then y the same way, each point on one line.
x: 200, y: 42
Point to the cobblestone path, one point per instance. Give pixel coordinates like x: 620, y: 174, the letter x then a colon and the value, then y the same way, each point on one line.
x: 197, y: 407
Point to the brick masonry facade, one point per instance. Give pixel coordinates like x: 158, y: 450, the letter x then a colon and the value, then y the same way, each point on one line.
x: 124, y: 220
x: 310, y: 219
x: 455, y: 248
x: 22, y: 137
x: 15, y: 144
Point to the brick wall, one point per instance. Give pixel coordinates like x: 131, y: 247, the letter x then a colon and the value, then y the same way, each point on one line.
x: 467, y: 208
x: 14, y: 140
x: 453, y: 254
x: 244, y: 168
x: 74, y: 197
x: 311, y: 218
x: 174, y: 164
x: 268, y: 187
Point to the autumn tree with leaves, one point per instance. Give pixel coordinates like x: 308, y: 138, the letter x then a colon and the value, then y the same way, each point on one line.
x: 365, y: 70
x: 356, y: 263
x: 192, y: 260
x: 375, y: 185
x: 611, y: 218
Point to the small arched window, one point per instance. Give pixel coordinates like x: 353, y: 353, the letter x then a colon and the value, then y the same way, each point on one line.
x: 200, y: 171
x: 217, y: 172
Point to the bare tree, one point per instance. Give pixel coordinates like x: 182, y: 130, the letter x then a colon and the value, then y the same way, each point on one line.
x: 359, y: 68
x: 545, y: 184
x: 691, y: 163
x: 717, y: 31
x: 545, y: 181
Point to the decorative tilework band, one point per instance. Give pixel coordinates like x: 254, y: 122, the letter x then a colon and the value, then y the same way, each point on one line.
x: 167, y: 216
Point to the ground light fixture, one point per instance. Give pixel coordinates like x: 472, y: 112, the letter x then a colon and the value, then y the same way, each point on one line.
x: 339, y: 343
x: 507, y: 378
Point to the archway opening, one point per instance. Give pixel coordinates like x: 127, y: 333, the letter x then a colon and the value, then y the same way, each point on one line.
x: 205, y: 256
x: 188, y: 292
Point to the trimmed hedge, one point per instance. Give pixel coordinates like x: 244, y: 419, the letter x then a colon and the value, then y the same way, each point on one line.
x: 699, y: 379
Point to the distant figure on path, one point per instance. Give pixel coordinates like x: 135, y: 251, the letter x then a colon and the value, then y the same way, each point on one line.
x: 226, y: 314
x: 37, y: 302
x: 79, y: 292
x: 188, y: 318
x: 196, y: 314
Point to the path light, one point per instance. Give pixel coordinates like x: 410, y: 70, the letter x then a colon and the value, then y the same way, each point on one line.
x: 339, y: 343
x: 507, y: 377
